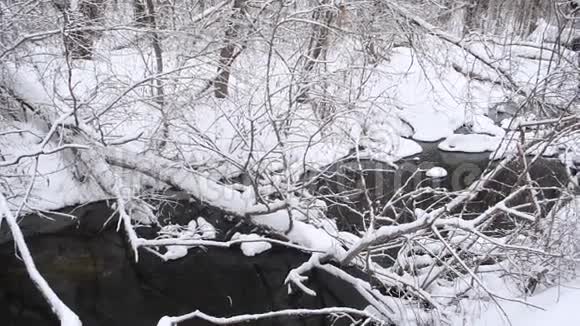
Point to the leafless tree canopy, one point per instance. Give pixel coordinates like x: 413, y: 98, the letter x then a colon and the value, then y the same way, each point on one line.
x: 245, y: 105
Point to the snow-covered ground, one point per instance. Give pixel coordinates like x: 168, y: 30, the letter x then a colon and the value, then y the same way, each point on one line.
x: 553, y: 302
x: 560, y: 304
x: 406, y: 99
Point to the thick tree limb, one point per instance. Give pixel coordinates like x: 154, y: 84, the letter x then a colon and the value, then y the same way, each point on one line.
x: 208, y: 191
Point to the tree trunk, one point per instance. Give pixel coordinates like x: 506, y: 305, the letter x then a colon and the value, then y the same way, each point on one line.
x: 533, y: 14
x: 317, y: 45
x: 80, y: 43
x: 227, y: 53
x: 140, y: 12
x: 145, y: 16
x: 445, y: 16
x: 475, y: 16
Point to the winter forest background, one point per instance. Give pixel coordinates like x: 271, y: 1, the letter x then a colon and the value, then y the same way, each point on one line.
x: 422, y: 153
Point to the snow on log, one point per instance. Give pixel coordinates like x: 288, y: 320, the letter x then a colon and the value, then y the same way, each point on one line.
x: 231, y: 201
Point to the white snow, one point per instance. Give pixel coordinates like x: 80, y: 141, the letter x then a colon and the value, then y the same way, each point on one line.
x: 165, y: 321
x: 561, y: 304
x: 389, y: 150
x: 546, y: 32
x: 207, y: 230
x: 301, y: 233
x: 436, y: 172
x: 511, y: 123
x: 319, y: 155
x: 484, y: 125
x: 407, y: 147
x: 192, y: 226
x: 431, y: 97
x: 429, y: 126
x: 472, y: 143
x: 253, y: 246
x: 55, y: 185
x: 175, y: 252
x: 499, y: 146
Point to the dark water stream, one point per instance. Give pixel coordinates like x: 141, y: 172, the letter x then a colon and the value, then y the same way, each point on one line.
x: 90, y: 268
x: 343, y: 183
x: 92, y: 271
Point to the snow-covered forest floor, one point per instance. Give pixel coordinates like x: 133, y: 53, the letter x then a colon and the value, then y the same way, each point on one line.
x: 405, y: 100
x: 557, y: 304
x: 306, y: 85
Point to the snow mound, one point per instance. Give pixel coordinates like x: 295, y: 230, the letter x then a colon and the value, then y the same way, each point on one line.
x: 205, y: 228
x: 436, y: 172
x: 252, y: 247
x: 175, y: 252
x: 429, y: 126
x: 560, y: 304
x: 473, y: 143
x: 499, y: 147
x: 407, y: 147
x: 484, y: 125
x: 300, y: 233
x: 388, y: 149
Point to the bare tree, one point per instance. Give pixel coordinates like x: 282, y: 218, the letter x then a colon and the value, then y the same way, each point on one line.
x: 475, y: 15
x: 228, y: 52
x: 79, y: 22
x: 323, y: 16
x: 296, y: 56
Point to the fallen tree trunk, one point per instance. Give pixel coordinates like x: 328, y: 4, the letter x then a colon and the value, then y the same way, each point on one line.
x: 204, y: 189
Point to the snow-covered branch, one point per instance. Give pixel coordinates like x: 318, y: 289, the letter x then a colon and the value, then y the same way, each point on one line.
x: 219, y: 244
x: 336, y: 311
x: 214, y: 194
x: 424, y: 219
x: 41, y: 152
x: 66, y: 316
